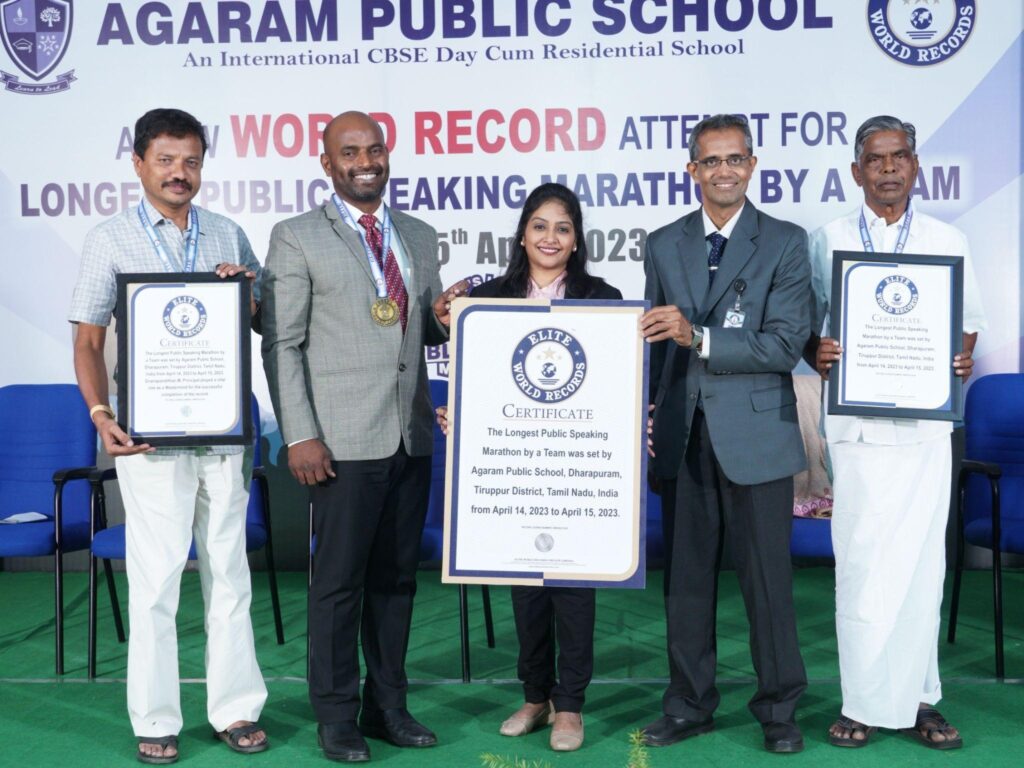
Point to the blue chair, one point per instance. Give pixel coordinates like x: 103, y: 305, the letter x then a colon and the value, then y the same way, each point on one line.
x: 990, y: 489
x: 108, y: 542
x: 812, y: 538
x: 46, y: 428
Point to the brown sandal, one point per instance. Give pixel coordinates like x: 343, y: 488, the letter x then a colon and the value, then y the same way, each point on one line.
x: 930, y: 722
x: 854, y: 728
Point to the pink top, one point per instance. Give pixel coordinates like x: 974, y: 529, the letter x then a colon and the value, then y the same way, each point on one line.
x: 553, y: 290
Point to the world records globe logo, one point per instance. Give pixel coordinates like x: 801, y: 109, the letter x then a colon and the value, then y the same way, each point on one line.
x: 184, y: 317
x: 549, y: 365
x: 896, y: 294
x: 921, y: 32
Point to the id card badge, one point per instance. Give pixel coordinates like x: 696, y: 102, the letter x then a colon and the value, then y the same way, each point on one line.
x: 734, y: 319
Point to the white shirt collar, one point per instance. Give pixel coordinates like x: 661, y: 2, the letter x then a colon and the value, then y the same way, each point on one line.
x: 870, y: 217
x: 355, y: 213
x: 396, y: 240
x: 725, y: 231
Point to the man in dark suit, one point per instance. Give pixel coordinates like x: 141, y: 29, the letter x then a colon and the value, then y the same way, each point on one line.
x: 730, y: 290
x: 351, y: 295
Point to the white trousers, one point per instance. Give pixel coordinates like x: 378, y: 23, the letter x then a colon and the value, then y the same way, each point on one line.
x: 168, y: 500
x: 889, y: 537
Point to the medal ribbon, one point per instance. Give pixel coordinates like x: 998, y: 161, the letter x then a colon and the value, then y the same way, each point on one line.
x: 901, y: 240
x: 191, y: 247
x: 371, y: 258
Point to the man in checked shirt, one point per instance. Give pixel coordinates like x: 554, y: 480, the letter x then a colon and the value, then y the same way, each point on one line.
x: 172, y: 495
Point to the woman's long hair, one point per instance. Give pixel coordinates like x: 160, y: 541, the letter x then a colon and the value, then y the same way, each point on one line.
x: 578, y: 284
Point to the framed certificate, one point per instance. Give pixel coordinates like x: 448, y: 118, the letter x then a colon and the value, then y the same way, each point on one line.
x: 183, y: 357
x: 899, y: 320
x: 547, y: 444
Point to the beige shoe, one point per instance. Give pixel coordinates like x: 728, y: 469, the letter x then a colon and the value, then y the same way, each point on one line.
x: 527, y: 719
x: 567, y: 732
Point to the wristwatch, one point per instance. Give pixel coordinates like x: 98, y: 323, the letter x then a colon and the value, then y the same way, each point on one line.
x: 698, y: 338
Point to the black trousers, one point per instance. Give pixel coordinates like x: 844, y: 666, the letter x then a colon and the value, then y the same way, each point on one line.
x: 368, y: 521
x: 543, y: 614
x: 700, y: 509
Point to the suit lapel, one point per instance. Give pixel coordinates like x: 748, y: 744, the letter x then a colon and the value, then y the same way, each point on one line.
x: 738, y: 251
x: 349, y: 237
x: 693, y: 257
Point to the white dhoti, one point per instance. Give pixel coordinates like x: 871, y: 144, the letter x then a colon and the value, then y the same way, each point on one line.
x: 169, y: 499
x: 889, y: 537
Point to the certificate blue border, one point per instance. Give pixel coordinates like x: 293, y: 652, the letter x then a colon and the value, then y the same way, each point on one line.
x: 637, y: 579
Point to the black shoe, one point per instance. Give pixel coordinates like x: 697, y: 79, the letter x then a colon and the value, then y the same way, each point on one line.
x: 342, y: 742
x: 782, y: 737
x: 668, y: 730
x: 396, y: 726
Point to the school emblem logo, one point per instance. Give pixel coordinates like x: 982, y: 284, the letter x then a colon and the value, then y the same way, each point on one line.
x: 36, y: 35
x: 896, y: 294
x: 184, y: 317
x: 921, y: 32
x: 549, y: 365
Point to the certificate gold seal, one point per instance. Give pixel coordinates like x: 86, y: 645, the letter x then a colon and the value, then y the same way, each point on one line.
x: 384, y: 311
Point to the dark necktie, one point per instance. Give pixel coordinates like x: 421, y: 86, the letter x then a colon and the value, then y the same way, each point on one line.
x: 715, y: 254
x: 392, y: 274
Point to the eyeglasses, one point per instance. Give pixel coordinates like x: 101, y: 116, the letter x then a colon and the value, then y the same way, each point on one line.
x: 877, y: 162
x: 733, y: 161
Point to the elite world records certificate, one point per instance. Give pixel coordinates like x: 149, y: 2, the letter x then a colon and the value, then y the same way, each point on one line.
x: 899, y: 320
x: 547, y: 459
x: 183, y: 368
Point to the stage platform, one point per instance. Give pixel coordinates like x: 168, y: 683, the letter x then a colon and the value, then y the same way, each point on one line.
x: 72, y: 722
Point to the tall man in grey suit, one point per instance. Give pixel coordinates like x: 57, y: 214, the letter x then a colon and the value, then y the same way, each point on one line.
x: 730, y: 289
x: 349, y: 302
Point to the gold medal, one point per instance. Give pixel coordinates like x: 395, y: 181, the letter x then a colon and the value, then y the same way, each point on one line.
x: 384, y: 311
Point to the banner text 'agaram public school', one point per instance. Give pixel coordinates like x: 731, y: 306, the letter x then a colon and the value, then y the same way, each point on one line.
x: 157, y: 23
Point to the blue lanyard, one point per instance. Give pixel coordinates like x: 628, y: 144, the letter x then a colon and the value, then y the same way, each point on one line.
x: 371, y: 258
x: 191, y: 247
x: 901, y: 240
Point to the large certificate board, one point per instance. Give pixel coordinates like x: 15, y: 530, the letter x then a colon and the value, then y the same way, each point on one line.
x: 547, y: 442
x: 899, y: 320
x: 183, y: 359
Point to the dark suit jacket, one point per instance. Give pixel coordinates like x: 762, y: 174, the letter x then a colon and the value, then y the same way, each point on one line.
x: 746, y: 384
x: 494, y: 289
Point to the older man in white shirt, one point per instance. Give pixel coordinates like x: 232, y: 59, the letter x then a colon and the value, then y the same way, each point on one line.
x: 892, y: 476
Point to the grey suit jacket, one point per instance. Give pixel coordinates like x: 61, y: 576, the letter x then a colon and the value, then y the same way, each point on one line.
x: 746, y: 384
x: 334, y: 374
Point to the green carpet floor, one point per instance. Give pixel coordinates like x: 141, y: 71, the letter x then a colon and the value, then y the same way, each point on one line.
x: 71, y: 722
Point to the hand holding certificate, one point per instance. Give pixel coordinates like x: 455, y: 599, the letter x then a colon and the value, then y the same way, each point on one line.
x: 898, y: 321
